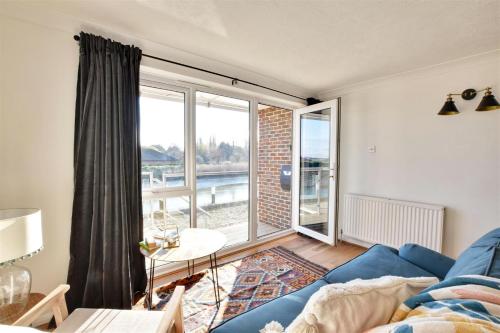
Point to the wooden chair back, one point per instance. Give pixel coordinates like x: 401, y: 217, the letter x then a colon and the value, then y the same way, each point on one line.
x: 54, y: 302
x: 173, y: 319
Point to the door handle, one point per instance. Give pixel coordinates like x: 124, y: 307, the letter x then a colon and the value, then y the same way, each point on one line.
x: 332, y: 173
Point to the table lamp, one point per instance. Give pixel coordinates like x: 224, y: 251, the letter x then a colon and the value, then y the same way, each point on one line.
x: 20, y: 238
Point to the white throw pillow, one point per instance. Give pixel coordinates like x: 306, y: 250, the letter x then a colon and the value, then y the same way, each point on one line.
x: 354, y: 306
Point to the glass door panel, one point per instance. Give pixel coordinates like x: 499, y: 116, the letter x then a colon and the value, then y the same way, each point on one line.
x: 222, y: 165
x: 314, y: 170
x: 315, y: 160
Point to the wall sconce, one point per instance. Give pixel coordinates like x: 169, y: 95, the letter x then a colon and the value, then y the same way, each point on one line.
x: 488, y: 103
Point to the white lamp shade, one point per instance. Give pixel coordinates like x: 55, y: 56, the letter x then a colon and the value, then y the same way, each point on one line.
x: 20, y: 233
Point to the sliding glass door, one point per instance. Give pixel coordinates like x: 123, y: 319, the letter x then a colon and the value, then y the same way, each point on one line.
x: 223, y: 165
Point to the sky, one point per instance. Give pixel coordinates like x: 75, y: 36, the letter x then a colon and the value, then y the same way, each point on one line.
x: 315, y: 138
x: 162, y: 122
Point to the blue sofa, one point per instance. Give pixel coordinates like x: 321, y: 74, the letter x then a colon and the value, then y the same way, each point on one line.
x: 482, y: 257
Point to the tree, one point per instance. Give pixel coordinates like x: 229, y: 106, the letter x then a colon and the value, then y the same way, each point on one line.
x: 224, y: 152
x: 174, y: 153
x: 239, y: 154
x: 201, y: 152
x: 212, y: 151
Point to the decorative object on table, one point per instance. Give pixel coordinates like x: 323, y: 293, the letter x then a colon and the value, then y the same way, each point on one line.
x: 244, y: 284
x: 20, y: 238
x: 149, y: 246
x: 169, y: 235
x: 488, y: 103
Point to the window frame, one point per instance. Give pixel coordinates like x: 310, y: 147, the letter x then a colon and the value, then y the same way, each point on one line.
x: 187, y: 189
x: 155, y: 79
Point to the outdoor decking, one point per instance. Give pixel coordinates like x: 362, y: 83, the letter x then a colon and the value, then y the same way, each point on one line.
x: 230, y: 219
x: 238, y: 233
x: 235, y: 233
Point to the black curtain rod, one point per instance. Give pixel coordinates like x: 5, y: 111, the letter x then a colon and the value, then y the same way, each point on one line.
x: 234, y: 80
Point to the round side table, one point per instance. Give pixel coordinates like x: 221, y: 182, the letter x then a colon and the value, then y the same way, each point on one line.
x: 195, y: 243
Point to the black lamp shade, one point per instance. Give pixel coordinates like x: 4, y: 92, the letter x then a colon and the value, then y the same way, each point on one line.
x: 448, y: 108
x: 488, y: 103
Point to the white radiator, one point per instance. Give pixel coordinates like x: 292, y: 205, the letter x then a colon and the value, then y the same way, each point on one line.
x: 392, y: 222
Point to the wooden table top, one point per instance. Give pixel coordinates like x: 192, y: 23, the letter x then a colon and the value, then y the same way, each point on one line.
x: 11, y: 313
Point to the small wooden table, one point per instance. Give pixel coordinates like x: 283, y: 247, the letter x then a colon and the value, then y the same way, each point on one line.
x: 11, y: 313
x: 195, y: 243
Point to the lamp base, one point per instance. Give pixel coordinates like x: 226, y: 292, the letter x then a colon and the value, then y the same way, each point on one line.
x: 15, y: 287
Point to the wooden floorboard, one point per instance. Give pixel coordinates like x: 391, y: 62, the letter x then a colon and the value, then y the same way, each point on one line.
x: 311, y: 249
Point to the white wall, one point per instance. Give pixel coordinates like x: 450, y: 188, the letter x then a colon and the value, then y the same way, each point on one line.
x: 39, y: 69
x: 453, y: 161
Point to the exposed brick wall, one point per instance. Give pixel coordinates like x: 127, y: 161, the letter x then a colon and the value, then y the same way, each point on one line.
x: 275, y: 139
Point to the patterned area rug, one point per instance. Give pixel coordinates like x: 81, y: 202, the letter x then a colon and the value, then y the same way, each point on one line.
x: 244, y: 284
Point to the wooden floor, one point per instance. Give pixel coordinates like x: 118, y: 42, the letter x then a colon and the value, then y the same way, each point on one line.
x: 319, y: 252
x: 311, y: 249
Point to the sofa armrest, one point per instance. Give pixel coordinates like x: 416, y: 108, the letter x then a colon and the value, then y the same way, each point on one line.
x: 432, y: 261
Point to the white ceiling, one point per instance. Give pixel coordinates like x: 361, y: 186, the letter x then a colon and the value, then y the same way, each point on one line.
x: 315, y: 45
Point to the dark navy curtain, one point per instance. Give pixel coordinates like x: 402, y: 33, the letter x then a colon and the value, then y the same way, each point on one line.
x: 106, y: 268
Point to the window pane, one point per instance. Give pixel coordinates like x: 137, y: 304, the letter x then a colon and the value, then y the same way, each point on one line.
x: 314, y: 170
x: 162, y: 138
x: 274, y: 172
x: 161, y: 212
x: 222, y: 165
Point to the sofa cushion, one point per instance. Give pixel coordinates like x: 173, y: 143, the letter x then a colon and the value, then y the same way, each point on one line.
x: 283, y: 310
x: 342, y: 307
x: 481, y: 258
x: 495, y: 264
x: 425, y: 258
x: 378, y: 261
